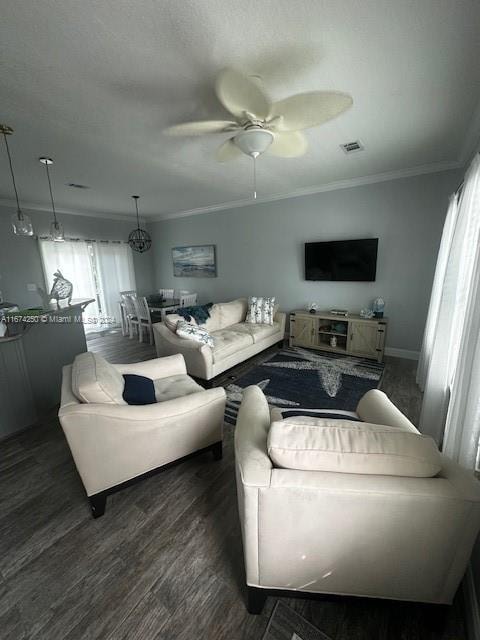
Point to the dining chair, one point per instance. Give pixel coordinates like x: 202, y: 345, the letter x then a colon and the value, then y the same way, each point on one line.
x: 188, y: 299
x: 167, y: 294
x: 123, y: 311
x: 144, y: 318
x: 131, y: 313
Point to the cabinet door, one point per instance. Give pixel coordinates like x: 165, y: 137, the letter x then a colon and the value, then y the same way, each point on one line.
x: 302, y: 331
x: 363, y: 339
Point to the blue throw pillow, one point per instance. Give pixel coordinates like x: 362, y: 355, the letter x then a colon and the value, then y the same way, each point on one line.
x: 138, y: 389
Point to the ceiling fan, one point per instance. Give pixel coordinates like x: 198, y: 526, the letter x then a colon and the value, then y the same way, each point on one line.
x: 280, y: 123
x: 260, y: 125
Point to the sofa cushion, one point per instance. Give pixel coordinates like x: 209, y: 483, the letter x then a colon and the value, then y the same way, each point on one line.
x: 316, y: 444
x: 214, y: 321
x: 175, y: 387
x: 96, y: 381
x: 232, y: 312
x: 227, y: 341
x: 258, y: 332
x: 138, y: 389
x: 193, y: 332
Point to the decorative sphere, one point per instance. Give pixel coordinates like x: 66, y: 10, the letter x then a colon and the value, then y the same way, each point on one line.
x: 140, y: 240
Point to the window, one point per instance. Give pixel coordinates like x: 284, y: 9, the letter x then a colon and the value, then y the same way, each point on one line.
x: 98, y: 270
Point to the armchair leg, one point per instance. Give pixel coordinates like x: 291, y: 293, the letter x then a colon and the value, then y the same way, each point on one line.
x: 98, y: 503
x: 217, y: 450
x: 256, y: 599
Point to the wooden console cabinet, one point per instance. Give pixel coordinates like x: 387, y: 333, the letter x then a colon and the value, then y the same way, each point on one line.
x: 355, y: 336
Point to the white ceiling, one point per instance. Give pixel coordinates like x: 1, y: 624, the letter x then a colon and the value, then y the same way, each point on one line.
x: 94, y: 83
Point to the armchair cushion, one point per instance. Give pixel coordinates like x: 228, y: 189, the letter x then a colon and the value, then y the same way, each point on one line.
x: 138, y: 389
x: 316, y: 444
x: 175, y: 387
x: 94, y: 380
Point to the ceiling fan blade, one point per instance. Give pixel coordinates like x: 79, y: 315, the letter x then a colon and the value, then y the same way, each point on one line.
x: 199, y: 128
x: 241, y: 95
x: 306, y: 110
x: 288, y: 144
x: 228, y: 151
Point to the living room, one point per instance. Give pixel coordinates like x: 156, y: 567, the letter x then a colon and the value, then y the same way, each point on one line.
x: 239, y: 290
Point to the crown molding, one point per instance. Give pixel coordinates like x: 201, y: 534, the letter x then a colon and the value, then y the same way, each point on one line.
x: 28, y: 206
x: 350, y: 183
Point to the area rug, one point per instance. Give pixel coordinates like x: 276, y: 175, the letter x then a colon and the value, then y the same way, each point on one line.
x: 298, y: 379
x: 287, y: 624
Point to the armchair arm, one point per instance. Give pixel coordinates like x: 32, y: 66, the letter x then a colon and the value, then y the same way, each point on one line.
x: 113, y: 443
x: 253, y: 422
x: 375, y: 407
x: 281, y: 318
x: 156, y: 368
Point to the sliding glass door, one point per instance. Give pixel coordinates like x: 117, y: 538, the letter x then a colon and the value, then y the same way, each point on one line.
x: 97, y: 270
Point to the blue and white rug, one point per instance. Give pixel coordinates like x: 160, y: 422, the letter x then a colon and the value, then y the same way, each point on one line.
x: 297, y: 380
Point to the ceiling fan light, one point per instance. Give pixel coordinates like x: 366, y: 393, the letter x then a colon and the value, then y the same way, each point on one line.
x: 254, y: 142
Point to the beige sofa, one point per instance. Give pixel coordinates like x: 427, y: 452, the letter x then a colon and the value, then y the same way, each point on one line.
x: 113, y: 443
x: 234, y: 339
x: 398, y: 534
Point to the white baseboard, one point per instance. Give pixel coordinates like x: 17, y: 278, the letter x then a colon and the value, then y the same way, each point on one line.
x: 472, y: 612
x: 402, y: 353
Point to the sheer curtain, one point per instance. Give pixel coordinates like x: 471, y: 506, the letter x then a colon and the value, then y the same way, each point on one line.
x: 115, y: 273
x: 462, y: 429
x: 450, y: 355
x: 74, y: 262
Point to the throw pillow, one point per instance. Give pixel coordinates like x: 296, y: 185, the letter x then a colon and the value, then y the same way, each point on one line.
x: 260, y: 310
x: 193, y: 332
x: 138, y: 389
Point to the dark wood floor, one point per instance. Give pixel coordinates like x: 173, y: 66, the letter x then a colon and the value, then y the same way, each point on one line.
x: 165, y: 562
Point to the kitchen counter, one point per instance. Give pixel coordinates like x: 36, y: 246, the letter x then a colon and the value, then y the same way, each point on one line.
x: 31, y: 361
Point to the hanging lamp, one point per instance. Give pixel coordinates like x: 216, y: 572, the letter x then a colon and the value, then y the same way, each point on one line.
x: 21, y: 223
x: 56, y: 228
x: 139, y: 239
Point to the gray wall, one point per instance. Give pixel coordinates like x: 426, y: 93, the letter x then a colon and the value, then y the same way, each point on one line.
x: 260, y: 248
x: 20, y: 261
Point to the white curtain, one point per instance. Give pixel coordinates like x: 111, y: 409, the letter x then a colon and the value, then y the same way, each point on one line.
x: 437, y: 292
x: 115, y: 273
x: 450, y: 354
x: 73, y: 260
x: 462, y: 429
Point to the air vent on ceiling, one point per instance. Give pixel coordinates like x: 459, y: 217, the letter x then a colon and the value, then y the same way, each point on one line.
x: 352, y: 147
x: 75, y: 185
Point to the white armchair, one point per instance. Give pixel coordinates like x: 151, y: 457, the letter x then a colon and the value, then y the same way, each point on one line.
x: 113, y: 443
x: 389, y: 536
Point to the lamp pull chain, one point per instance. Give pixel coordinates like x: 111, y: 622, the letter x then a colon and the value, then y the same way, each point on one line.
x: 254, y: 177
x: 20, y: 215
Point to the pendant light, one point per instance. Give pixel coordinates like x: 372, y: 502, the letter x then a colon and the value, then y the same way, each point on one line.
x: 56, y: 228
x: 21, y: 223
x: 139, y: 239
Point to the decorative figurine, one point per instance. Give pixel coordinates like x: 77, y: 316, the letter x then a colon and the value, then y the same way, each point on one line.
x: 61, y: 290
x: 378, y: 307
x: 366, y: 313
x: 312, y: 307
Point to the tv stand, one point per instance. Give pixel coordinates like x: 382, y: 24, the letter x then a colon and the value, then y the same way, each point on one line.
x: 355, y: 336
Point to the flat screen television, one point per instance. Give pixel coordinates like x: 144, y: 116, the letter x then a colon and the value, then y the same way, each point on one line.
x: 342, y: 260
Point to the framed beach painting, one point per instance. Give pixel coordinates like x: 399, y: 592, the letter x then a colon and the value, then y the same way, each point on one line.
x: 195, y: 262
